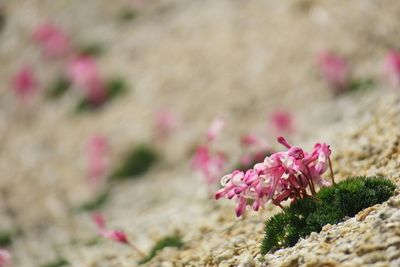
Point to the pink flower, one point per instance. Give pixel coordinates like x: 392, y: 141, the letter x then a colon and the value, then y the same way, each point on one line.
x: 99, y: 220
x: 282, y: 122
x: 391, y: 68
x: 335, y: 70
x: 281, y: 176
x: 54, y: 41
x: 209, y: 165
x: 118, y: 236
x: 249, y: 140
x: 24, y: 83
x: 165, y: 122
x: 5, y: 258
x: 115, y: 235
x: 215, y: 129
x: 97, y: 157
x: 83, y: 73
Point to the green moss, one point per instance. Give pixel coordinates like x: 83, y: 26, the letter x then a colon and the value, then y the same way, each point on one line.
x: 57, y: 263
x: 127, y: 15
x: 5, y: 239
x: 96, y: 203
x: 138, y: 162
x: 59, y: 88
x: 114, y: 87
x: 346, y: 198
x: 360, y: 85
x: 92, y: 49
x: 168, y: 241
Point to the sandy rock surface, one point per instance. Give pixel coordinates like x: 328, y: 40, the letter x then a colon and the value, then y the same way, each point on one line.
x: 240, y: 59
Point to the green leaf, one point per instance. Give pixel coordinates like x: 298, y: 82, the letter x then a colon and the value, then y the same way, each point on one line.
x: 137, y: 162
x: 92, y: 49
x: 168, y: 241
x: 57, y: 263
x: 96, y: 203
x: 5, y: 239
x: 58, y: 89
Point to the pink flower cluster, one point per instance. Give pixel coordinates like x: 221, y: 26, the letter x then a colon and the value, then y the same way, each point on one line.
x: 53, y: 40
x: 84, y: 74
x: 166, y: 122
x: 97, y: 150
x: 5, y: 258
x: 282, y: 122
x: 210, y: 163
x: 335, y: 70
x: 282, y: 176
x: 391, y: 67
x: 25, y: 83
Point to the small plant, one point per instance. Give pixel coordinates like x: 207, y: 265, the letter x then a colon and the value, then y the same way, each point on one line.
x: 92, y: 49
x: 112, y: 89
x: 333, y: 203
x: 5, y: 258
x: 137, y: 162
x: 57, y: 263
x: 25, y: 83
x: 168, y: 241
x: 5, y: 239
x: 127, y: 15
x: 391, y: 68
x: 96, y: 203
x: 59, y: 88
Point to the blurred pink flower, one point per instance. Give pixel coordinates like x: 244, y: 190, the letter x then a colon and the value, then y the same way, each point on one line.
x: 99, y: 220
x: 209, y: 165
x: 335, y: 70
x: 249, y: 140
x: 53, y: 40
x: 215, y: 129
x: 165, y: 123
x: 5, y: 258
x: 118, y: 236
x: 83, y: 73
x: 24, y: 83
x: 282, y: 122
x: 97, y: 150
x: 391, y: 67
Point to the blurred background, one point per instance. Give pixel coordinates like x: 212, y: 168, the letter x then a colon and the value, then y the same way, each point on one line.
x: 89, y: 89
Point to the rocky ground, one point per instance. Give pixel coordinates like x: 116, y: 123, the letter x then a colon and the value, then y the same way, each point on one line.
x: 239, y: 59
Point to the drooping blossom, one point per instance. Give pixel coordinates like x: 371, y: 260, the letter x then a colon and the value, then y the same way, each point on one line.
x: 5, y: 258
x: 24, y: 83
x: 282, y: 122
x: 166, y: 122
x: 284, y: 175
x: 97, y: 150
x: 84, y: 74
x: 209, y: 164
x: 335, y: 70
x: 215, y: 129
x: 52, y: 39
x: 391, y: 68
x: 118, y: 236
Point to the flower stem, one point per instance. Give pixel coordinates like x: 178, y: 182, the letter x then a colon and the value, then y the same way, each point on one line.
x: 137, y: 250
x: 330, y: 168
